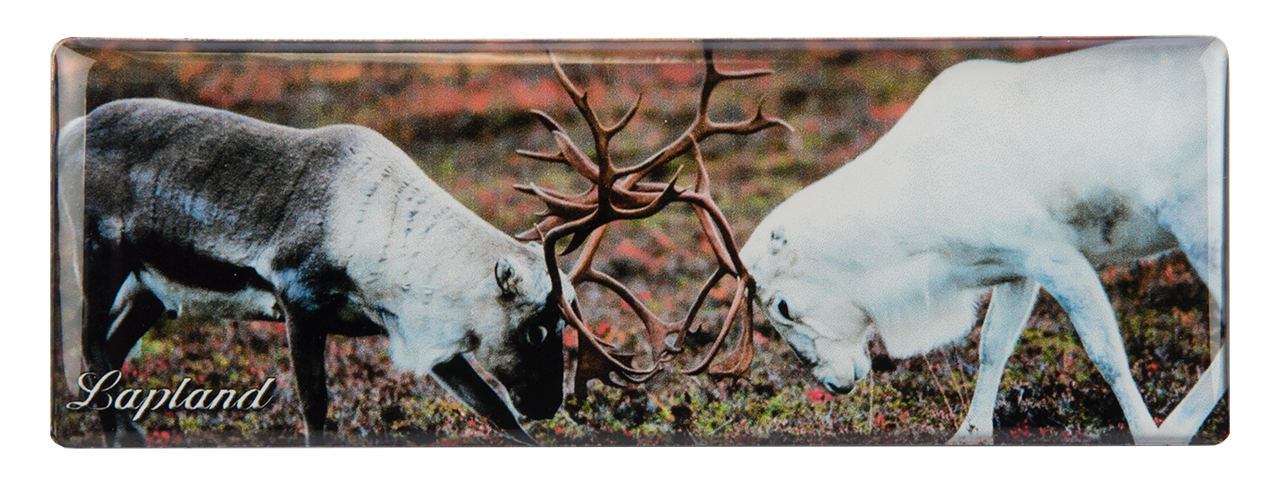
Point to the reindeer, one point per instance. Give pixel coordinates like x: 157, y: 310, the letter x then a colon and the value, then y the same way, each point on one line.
x: 1007, y: 178
x: 191, y: 211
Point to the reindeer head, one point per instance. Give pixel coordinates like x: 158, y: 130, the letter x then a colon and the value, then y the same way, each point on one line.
x: 801, y: 293
x: 503, y: 314
x: 829, y: 279
x: 526, y: 352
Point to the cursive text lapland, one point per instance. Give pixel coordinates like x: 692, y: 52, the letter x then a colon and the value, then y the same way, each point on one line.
x: 97, y: 396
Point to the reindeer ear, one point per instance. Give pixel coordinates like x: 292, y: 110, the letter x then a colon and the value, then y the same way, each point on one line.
x: 777, y: 240
x: 508, y: 277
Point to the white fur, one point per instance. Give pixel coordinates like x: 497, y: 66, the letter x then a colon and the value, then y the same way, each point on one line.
x: 1015, y: 176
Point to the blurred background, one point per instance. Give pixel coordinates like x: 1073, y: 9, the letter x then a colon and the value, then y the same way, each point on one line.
x: 461, y: 111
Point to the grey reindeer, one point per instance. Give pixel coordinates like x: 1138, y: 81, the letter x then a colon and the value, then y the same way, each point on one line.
x: 191, y: 211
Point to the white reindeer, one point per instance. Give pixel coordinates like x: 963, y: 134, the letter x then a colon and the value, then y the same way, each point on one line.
x: 1010, y: 177
x: 192, y: 211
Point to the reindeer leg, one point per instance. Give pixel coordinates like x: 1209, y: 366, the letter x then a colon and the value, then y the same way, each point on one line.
x: 1201, y: 241
x: 1071, y: 279
x: 106, y: 271
x: 139, y: 312
x: 461, y: 380
x: 1205, y: 255
x: 1007, y: 315
x: 307, y: 348
x: 1187, y: 417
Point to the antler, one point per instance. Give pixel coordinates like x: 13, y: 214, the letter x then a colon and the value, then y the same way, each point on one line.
x: 616, y: 193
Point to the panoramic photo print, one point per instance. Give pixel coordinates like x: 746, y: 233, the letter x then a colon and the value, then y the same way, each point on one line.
x: 640, y: 243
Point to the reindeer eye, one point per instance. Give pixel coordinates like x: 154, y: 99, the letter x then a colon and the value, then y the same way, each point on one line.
x: 535, y: 335
x: 783, y: 310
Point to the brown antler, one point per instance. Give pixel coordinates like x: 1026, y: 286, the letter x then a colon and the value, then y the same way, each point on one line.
x: 618, y: 194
